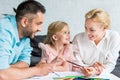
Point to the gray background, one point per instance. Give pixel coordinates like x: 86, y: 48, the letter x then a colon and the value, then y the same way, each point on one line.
x: 70, y: 11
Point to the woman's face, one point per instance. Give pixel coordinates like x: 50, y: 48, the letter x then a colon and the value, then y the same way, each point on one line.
x: 94, y: 30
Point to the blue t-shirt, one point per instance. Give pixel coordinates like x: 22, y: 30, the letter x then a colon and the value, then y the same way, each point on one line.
x: 12, y: 48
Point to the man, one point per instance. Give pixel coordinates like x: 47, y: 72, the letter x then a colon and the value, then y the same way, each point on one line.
x: 15, y: 44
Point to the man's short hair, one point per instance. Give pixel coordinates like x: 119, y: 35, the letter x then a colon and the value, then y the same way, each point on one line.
x: 29, y: 7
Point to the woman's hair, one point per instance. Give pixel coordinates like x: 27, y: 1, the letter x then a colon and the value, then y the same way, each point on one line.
x: 53, y: 28
x: 29, y: 7
x: 99, y: 15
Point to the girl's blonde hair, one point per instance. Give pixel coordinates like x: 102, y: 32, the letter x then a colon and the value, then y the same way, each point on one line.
x: 99, y: 15
x: 53, y: 28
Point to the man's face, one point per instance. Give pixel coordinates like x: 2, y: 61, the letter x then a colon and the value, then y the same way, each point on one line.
x: 33, y: 26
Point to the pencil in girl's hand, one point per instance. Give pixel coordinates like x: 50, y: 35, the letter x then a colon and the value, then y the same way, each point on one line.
x: 74, y: 63
x: 56, y: 74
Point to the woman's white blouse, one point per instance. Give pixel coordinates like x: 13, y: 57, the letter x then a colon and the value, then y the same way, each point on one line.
x: 106, y: 52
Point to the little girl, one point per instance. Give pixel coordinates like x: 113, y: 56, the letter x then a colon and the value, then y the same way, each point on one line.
x: 57, y: 48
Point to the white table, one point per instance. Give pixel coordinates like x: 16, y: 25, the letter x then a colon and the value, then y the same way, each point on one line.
x: 63, y: 74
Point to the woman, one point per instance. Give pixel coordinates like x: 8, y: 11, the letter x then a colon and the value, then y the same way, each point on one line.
x: 97, y: 48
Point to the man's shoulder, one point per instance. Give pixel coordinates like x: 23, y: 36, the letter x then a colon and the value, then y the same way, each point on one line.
x: 8, y: 24
x: 4, y: 22
x: 7, y: 21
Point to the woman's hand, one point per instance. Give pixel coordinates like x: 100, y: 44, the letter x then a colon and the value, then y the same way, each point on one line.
x: 88, y: 71
x: 99, y: 67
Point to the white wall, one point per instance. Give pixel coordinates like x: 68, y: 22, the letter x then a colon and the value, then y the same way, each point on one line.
x: 70, y: 11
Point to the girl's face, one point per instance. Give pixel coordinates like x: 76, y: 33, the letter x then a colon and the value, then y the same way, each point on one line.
x: 94, y: 30
x: 63, y: 37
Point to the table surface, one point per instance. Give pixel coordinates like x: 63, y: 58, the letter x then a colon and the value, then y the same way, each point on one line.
x: 63, y: 74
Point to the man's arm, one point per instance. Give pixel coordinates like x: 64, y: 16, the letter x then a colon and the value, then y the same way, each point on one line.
x: 15, y: 73
x: 20, y: 65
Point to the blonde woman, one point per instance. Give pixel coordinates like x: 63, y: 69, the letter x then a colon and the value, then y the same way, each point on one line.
x: 97, y: 48
x: 57, y: 48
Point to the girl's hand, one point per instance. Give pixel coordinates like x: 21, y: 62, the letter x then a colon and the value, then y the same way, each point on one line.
x: 57, y: 60
x: 99, y: 67
x: 60, y: 64
x: 43, y: 69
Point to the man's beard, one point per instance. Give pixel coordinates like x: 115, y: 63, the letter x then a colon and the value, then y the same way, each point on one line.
x: 28, y: 34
